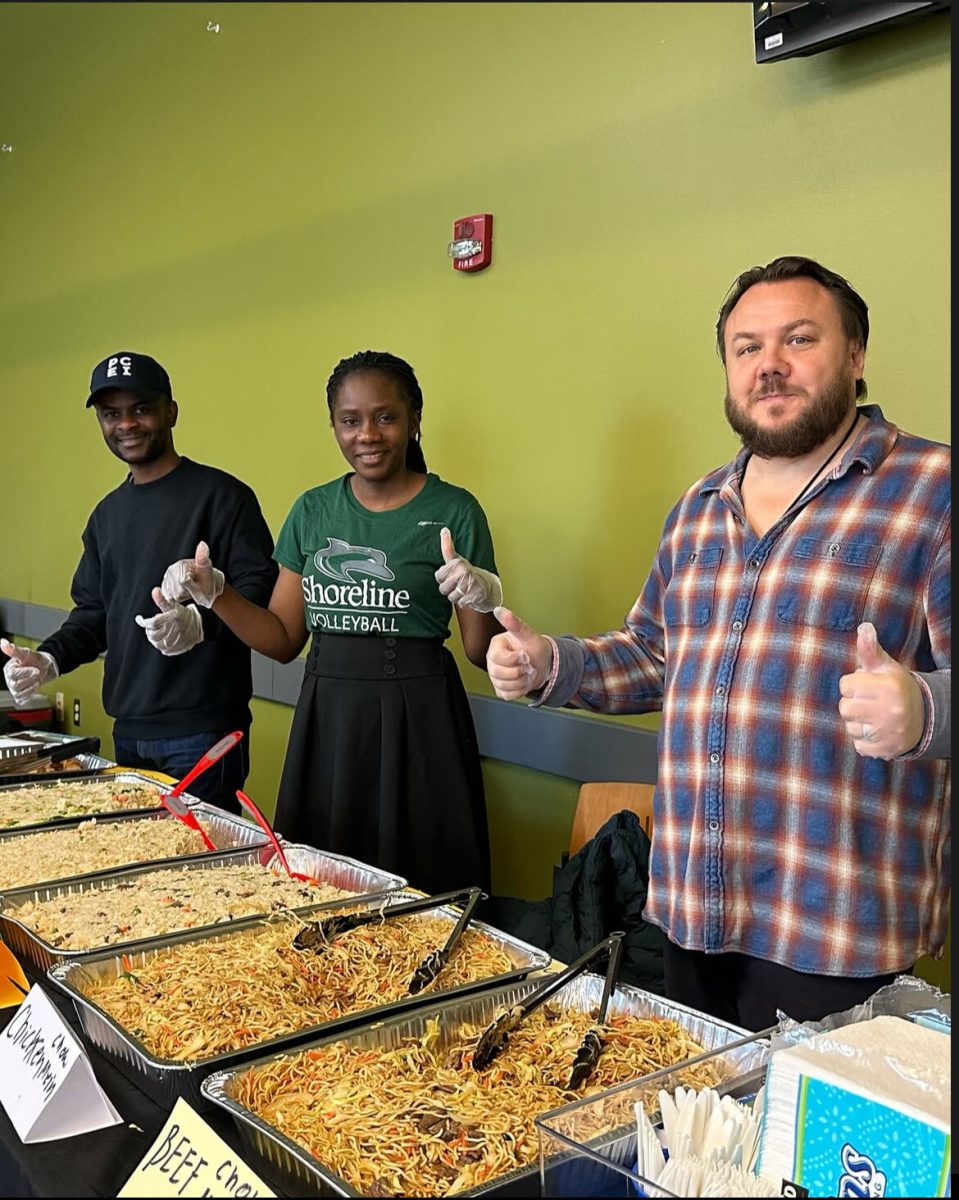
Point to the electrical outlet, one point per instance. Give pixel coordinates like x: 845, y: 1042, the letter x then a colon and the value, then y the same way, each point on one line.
x: 76, y: 711
x: 60, y: 707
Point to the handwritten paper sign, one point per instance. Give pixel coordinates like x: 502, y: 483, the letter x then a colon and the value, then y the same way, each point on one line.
x: 189, y: 1159
x: 47, y: 1084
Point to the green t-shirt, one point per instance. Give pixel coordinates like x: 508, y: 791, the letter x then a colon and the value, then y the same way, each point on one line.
x: 373, y: 572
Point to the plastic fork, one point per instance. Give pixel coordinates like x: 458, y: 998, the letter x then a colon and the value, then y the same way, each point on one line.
x: 267, y: 828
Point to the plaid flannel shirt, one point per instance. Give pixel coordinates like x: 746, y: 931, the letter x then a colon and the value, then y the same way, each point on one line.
x: 773, y: 837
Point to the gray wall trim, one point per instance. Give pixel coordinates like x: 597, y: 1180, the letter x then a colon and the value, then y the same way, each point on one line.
x: 557, y: 742
x: 35, y: 621
x: 262, y: 675
x: 287, y: 678
x: 585, y: 748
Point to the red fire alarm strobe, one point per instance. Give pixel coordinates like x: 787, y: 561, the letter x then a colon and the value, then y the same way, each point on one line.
x: 472, y: 246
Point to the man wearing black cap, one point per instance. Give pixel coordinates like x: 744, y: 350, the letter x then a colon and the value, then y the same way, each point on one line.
x: 175, y: 680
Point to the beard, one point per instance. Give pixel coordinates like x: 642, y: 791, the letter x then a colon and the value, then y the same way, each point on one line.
x: 807, y: 431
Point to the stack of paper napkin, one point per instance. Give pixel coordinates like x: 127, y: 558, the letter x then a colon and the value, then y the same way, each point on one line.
x: 862, y: 1110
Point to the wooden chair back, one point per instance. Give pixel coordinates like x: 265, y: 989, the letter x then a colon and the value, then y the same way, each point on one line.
x: 599, y: 801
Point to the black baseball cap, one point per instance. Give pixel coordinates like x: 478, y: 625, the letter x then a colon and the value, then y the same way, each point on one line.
x: 137, y: 373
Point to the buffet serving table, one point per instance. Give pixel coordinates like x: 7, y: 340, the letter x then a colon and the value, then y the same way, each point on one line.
x: 97, y: 1163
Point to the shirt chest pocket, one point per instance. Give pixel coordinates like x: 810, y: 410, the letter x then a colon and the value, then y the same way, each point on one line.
x: 827, y: 583
x: 690, y: 595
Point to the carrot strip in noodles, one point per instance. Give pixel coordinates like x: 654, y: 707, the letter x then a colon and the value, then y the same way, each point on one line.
x: 416, y: 1120
x: 223, y: 994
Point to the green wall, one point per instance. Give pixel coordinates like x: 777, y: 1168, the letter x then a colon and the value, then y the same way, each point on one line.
x: 251, y: 205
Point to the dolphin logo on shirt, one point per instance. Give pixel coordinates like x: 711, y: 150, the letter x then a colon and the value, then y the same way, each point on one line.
x: 339, y: 560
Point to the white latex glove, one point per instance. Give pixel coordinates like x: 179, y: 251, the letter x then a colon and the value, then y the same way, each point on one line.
x: 193, y: 579
x: 466, y: 586
x: 175, y: 629
x: 518, y: 661
x: 27, y: 671
x: 881, y: 701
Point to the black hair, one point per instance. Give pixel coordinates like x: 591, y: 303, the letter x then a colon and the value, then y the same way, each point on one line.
x: 395, y: 368
x: 852, y: 308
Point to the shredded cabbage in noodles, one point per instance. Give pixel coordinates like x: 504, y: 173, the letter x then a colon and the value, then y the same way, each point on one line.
x: 418, y: 1120
x: 197, y: 999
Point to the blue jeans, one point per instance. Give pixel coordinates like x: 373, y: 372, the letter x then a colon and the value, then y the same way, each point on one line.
x: 176, y: 756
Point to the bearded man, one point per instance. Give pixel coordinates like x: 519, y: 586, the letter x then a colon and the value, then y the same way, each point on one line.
x: 795, y: 632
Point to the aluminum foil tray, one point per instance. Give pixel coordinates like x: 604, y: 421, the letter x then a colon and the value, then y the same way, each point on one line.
x: 57, y: 780
x: 590, y: 1144
x: 340, y: 871
x: 227, y: 831
x: 46, y: 740
x: 334, y: 869
x: 91, y: 766
x: 166, y: 1080
x: 302, y: 1174
x: 91, y: 762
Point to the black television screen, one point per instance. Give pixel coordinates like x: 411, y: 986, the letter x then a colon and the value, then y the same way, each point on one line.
x: 801, y: 27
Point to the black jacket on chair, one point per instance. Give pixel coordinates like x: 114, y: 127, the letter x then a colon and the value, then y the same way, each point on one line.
x: 600, y: 889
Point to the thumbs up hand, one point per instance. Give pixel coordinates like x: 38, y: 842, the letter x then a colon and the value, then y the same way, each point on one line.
x: 463, y: 584
x: 193, y: 579
x: 881, y: 704
x: 26, y: 671
x: 518, y: 661
x: 175, y: 629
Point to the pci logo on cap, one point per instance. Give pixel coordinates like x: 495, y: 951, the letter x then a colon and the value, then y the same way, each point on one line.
x: 131, y: 372
x: 126, y: 362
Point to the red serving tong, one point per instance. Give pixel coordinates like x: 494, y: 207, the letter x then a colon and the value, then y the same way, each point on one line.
x: 171, y: 800
x: 267, y: 828
x: 182, y: 813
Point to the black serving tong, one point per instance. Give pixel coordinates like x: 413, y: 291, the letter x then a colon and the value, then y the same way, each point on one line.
x: 494, y: 1037
x: 436, y: 960
x: 317, y: 935
x: 593, y: 1044
x: 29, y: 760
x: 18, y: 759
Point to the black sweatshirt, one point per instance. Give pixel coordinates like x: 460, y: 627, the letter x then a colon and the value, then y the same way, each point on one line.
x: 132, y: 536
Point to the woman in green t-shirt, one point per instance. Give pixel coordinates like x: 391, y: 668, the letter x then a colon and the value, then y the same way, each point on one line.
x: 382, y: 763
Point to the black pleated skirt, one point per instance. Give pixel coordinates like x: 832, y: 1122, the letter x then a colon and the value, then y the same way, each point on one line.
x: 382, y: 763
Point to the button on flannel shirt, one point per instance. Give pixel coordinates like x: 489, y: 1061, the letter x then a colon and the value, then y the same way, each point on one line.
x: 772, y: 836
